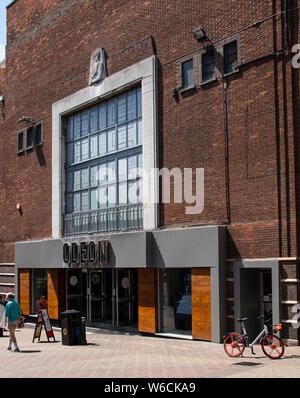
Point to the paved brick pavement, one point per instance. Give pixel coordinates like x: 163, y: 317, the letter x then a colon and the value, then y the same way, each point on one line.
x: 121, y: 355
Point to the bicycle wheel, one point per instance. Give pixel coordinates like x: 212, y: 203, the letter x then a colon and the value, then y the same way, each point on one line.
x: 234, y: 345
x: 272, y: 347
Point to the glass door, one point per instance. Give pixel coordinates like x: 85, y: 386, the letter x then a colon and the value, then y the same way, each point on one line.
x: 100, y: 296
x: 175, y: 301
x: 76, y: 290
x: 39, y: 287
x: 112, y: 297
x: 126, y: 297
x: 96, y: 295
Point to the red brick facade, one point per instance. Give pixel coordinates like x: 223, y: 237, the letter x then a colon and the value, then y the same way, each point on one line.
x: 244, y: 133
x: 48, y: 50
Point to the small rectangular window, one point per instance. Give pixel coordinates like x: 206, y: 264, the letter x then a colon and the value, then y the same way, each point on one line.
x: 131, y: 105
x: 230, y: 57
x: 94, y: 199
x: 94, y: 118
x: 208, y: 66
x: 187, y: 74
x: 94, y: 146
x: 38, y: 135
x: 77, y: 125
x: 20, y: 142
x: 84, y: 122
x: 69, y: 128
x: 29, y: 138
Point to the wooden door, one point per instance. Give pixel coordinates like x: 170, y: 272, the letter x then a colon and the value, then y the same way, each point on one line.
x: 56, y: 285
x: 147, y: 298
x: 201, y: 304
x: 25, y: 291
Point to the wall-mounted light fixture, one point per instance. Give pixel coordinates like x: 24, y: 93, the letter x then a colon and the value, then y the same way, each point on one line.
x: 2, y: 101
x: 25, y: 119
x: 19, y: 208
x: 199, y: 34
x: 174, y: 92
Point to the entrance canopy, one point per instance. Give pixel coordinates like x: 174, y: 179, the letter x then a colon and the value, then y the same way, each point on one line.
x: 174, y: 248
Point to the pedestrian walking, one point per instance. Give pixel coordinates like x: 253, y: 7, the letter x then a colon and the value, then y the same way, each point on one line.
x: 3, y: 300
x: 12, y: 316
x: 2, y: 314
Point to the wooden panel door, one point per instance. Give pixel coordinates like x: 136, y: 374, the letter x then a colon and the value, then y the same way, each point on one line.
x: 147, y: 298
x: 201, y: 304
x: 56, y: 292
x: 25, y: 291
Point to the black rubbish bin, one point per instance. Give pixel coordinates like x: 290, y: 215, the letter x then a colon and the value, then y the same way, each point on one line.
x: 1, y: 332
x: 71, y: 327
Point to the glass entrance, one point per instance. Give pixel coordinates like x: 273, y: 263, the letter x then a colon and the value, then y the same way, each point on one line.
x: 176, y: 301
x: 111, y: 297
x: 106, y: 297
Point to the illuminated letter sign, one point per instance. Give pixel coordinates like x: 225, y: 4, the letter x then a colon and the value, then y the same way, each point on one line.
x: 91, y: 252
x: 86, y: 252
x: 74, y: 253
x: 66, y: 253
x: 83, y: 252
x: 102, y: 251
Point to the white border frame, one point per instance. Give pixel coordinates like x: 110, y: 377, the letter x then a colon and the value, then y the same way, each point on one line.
x: 144, y: 72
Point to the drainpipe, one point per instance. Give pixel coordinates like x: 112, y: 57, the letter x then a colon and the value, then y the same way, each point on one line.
x: 286, y: 41
x: 225, y: 121
x: 225, y: 104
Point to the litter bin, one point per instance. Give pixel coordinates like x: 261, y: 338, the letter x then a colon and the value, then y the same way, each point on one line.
x: 71, y: 327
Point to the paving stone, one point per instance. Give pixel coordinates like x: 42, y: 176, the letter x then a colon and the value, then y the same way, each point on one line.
x: 118, y: 355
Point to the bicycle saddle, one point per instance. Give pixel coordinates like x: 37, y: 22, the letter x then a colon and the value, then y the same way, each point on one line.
x: 242, y: 319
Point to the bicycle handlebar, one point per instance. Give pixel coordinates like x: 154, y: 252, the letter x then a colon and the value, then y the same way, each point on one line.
x: 267, y: 315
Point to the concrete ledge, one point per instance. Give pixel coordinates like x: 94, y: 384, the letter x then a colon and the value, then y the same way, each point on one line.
x: 290, y: 342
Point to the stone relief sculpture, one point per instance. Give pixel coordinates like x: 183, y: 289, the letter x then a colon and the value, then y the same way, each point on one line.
x: 97, y: 66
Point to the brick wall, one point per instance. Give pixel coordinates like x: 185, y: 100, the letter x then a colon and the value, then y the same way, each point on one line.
x: 48, y: 52
x: 2, y: 79
x: 2, y: 196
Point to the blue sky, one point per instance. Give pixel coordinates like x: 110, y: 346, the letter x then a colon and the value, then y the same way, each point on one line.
x: 3, y: 4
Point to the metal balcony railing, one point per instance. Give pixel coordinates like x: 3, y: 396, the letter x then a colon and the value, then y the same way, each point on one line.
x: 102, y: 220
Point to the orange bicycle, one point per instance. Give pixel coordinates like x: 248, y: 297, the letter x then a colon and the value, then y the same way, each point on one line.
x: 235, y: 343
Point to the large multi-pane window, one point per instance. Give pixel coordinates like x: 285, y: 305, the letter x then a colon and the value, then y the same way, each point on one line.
x: 104, y: 154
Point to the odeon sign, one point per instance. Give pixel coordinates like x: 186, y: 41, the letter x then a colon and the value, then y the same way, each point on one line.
x: 86, y: 252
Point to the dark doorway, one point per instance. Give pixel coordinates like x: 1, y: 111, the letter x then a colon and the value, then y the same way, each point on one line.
x: 176, y: 301
x: 256, y: 297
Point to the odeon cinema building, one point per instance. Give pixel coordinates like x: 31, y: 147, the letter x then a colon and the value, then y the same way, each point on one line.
x: 148, y: 176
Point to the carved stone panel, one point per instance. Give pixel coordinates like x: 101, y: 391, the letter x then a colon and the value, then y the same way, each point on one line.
x: 97, y: 66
